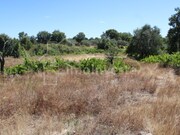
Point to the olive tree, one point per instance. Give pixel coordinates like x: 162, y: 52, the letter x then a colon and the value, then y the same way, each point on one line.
x: 43, y: 37
x: 146, y: 41
x: 8, y: 47
x: 110, y: 34
x: 80, y: 37
x: 57, y: 36
x: 25, y: 40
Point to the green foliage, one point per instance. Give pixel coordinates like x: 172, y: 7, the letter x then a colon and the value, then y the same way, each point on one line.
x: 43, y: 37
x: 125, y: 36
x: 110, y: 34
x: 8, y: 46
x: 153, y: 59
x: 174, y: 32
x: 57, y: 36
x: 172, y: 60
x: 93, y: 65
x: 112, y: 51
x: 119, y: 66
x: 3, y: 41
x: 18, y: 69
x: 80, y: 37
x: 12, y: 48
x: 87, y: 65
x: 64, y: 49
x: 62, y: 64
x: 25, y: 40
x: 103, y: 44
x: 30, y: 66
x: 33, y: 40
x: 38, y: 49
x: 59, y: 49
x: 122, y: 43
x: 145, y: 42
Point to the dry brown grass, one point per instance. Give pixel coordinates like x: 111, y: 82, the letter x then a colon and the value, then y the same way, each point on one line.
x: 147, y: 100
x: 10, y: 61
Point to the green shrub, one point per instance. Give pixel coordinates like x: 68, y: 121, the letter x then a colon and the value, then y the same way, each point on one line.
x: 93, y: 65
x: 59, y: 49
x: 87, y: 65
x: 18, y: 69
x: 172, y: 60
x: 62, y: 64
x: 119, y: 66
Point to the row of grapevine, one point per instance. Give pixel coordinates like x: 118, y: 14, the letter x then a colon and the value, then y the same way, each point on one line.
x: 86, y: 65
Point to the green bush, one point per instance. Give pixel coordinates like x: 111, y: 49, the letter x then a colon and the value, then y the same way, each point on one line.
x: 59, y: 49
x: 18, y: 69
x: 62, y: 64
x: 119, y: 66
x: 172, y: 60
x: 40, y: 66
x: 93, y: 65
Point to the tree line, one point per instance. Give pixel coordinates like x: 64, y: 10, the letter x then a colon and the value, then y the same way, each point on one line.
x: 145, y: 41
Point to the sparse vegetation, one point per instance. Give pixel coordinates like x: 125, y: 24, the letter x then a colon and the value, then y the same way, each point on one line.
x: 59, y: 49
x: 78, y: 103
x: 118, y: 84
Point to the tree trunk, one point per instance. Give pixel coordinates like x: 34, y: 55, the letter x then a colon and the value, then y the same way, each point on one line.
x: 2, y: 62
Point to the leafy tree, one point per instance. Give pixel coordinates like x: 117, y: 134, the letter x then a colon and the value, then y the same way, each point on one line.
x: 103, y: 44
x: 57, y: 36
x: 122, y: 43
x: 43, y: 37
x: 146, y: 41
x: 80, y: 37
x: 121, y: 39
x: 174, y: 32
x: 125, y: 36
x: 111, y: 48
x: 12, y: 48
x: 8, y: 47
x: 33, y: 40
x: 111, y: 34
x: 112, y: 51
x: 165, y: 44
x: 22, y: 35
x: 25, y: 40
x: 3, y: 40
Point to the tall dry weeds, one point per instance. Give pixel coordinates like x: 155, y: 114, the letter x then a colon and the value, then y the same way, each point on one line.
x: 147, y: 101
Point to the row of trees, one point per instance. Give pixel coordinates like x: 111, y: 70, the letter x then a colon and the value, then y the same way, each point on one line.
x: 57, y: 37
x: 42, y: 37
x: 144, y: 42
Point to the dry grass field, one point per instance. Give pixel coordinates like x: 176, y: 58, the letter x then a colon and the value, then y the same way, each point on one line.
x: 142, y: 102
